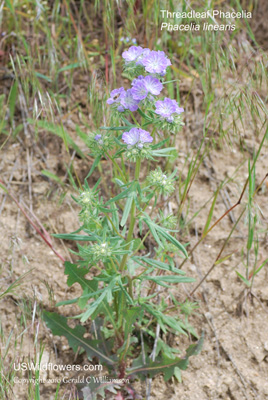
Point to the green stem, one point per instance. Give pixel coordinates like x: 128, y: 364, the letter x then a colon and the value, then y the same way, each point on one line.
x: 137, y: 169
x: 141, y: 243
x: 113, y: 265
x: 130, y: 286
x: 123, y: 166
x: 117, y: 167
x: 134, y: 119
x: 132, y: 218
x: 116, y: 231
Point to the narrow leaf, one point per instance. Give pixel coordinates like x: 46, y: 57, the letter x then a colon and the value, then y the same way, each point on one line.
x: 127, y: 209
x: 58, y: 325
x: 210, y: 213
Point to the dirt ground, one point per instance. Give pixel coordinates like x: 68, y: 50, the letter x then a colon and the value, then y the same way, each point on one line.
x: 234, y: 361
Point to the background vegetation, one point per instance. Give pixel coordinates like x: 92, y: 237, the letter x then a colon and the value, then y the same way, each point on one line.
x: 59, y: 61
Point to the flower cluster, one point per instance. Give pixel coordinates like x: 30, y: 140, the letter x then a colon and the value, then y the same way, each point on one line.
x: 169, y: 221
x: 148, y: 67
x: 100, y: 142
x: 161, y: 182
x: 168, y: 109
x: 103, y: 250
x: 140, y: 60
x: 127, y: 40
x: 169, y: 114
x: 100, y: 251
x: 87, y: 198
x: 168, y: 248
x: 154, y: 62
x: 136, y: 137
x: 144, y: 86
x: 137, y: 140
x: 96, y: 252
x: 89, y: 214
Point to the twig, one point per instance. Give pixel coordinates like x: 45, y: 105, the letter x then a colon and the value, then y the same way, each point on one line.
x: 29, y: 164
x: 219, y: 255
x: 204, y: 234
x: 229, y: 236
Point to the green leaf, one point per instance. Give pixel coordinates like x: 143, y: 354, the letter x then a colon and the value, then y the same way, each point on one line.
x: 165, y: 365
x: 58, y: 325
x: 224, y: 258
x: 173, y: 80
x: 17, y: 130
x: 195, y: 348
x: 9, y: 5
x: 250, y: 237
x: 162, y: 280
x: 127, y: 208
x: 42, y: 76
x: 130, y: 317
x: 69, y: 172
x: 70, y: 66
x: 163, y: 152
x: 115, y: 216
x: 118, y: 128
x: 121, y: 195
x: 210, y: 212
x: 165, y: 320
x: 52, y: 176
x: 4, y: 188
x: 177, y: 374
x: 71, y: 236
x: 94, y: 165
x: 12, y: 100
x: 163, y: 232
x: 262, y: 265
x: 161, y: 144
x: 65, y: 302
x: 144, y: 115
x: 76, y: 274
x: 158, y: 264
x: 126, y: 121
x: 151, y: 226
x: 107, y: 293
x: 243, y: 279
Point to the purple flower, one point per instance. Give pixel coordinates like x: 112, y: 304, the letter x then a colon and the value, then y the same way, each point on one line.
x: 140, y: 77
x: 142, y: 55
x: 179, y: 110
x: 97, y: 137
x: 128, y: 102
x: 139, y: 91
x: 116, y: 95
x: 153, y: 85
x: 136, y: 136
x: 142, y: 86
x: 132, y: 53
x: 120, y: 108
x: 167, y: 107
x: 155, y: 62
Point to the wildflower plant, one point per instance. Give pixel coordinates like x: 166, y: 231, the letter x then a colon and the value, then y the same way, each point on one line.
x: 127, y: 298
